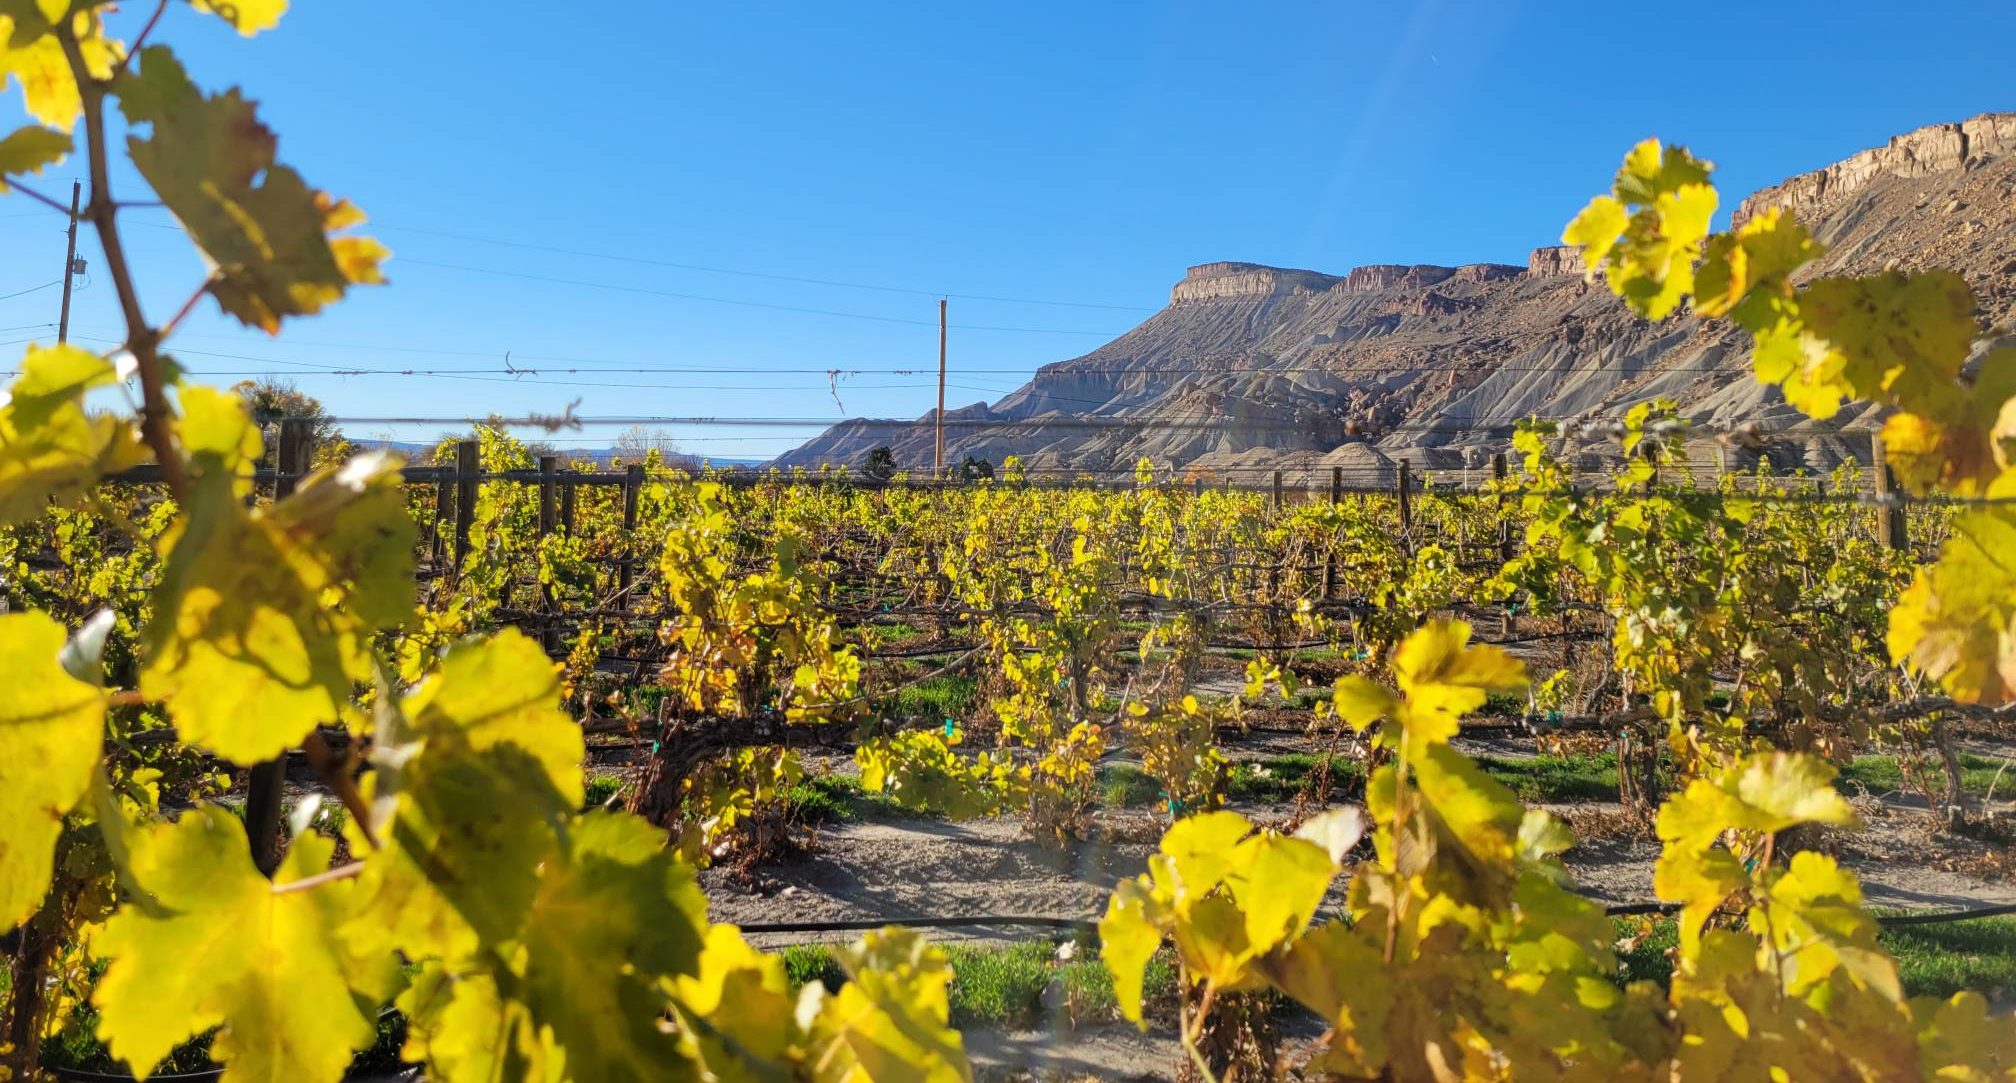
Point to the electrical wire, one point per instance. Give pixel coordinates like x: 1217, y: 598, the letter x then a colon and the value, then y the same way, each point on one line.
x: 29, y: 290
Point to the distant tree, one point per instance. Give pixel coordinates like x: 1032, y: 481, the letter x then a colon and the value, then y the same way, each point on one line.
x: 271, y: 401
x: 975, y: 469
x: 880, y: 464
x: 636, y: 443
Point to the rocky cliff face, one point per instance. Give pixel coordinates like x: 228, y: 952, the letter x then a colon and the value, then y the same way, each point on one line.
x: 1256, y: 368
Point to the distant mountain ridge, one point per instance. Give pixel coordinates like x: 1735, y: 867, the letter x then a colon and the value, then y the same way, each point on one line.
x: 1253, y: 367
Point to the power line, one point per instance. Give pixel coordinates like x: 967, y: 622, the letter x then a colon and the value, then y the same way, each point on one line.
x: 29, y: 290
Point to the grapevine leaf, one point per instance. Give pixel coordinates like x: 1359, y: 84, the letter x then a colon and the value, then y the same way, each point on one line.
x: 27, y: 150
x: 350, y: 522
x: 212, y: 162
x: 258, y: 610
x: 1954, y: 622
x: 1959, y: 1040
x: 491, y: 765
x: 1595, y: 231
x: 1777, y: 790
x: 467, y: 1033
x: 1747, y: 269
x: 1200, y: 849
x: 1651, y: 170
x: 889, y: 1020
x: 502, y: 690
x: 1444, y: 678
x: 1813, y: 915
x: 50, y: 449
x: 1897, y: 337
x: 1278, y: 881
x: 1129, y: 935
x: 1336, y: 974
x: 744, y: 994
x: 1336, y: 831
x: 619, y: 915
x: 248, y: 16
x: 33, y: 56
x: 1361, y: 702
x: 50, y: 724
x: 229, y: 951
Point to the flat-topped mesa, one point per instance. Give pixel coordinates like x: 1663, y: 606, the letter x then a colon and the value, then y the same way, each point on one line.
x: 1228, y: 280
x: 1487, y: 272
x: 1921, y: 152
x: 1386, y: 276
x: 1553, y: 260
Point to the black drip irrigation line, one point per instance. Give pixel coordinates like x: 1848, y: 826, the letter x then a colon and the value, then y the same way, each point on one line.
x: 1037, y: 921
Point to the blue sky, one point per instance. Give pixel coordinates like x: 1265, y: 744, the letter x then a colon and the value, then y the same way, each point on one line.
x: 1061, y: 152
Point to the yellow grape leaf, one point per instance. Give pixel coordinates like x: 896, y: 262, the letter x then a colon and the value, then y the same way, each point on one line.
x: 743, y: 994
x: 1361, y: 702
x: 1596, y: 230
x: 1211, y: 938
x: 1278, y: 880
x: 1648, y: 232
x: 1654, y: 268
x: 618, y: 916
x: 1813, y: 914
x: 228, y: 950
x: 889, y: 1021
x: 27, y: 150
x: 50, y: 739
x: 1766, y: 792
x: 32, y: 56
x: 1797, y: 361
x: 212, y: 162
x: 1475, y: 810
x: 1895, y: 337
x: 1961, y: 450
x: 1200, y: 850
x: 1745, y: 270
x: 1444, y: 678
x: 1651, y: 170
x: 1777, y: 790
x: 464, y: 1032
x: 257, y: 615
x: 497, y: 691
x: 1956, y: 622
x: 50, y: 449
x: 350, y: 522
x: 1959, y: 1040
x: 487, y: 765
x: 1336, y: 831
x: 1129, y: 934
x: 248, y: 16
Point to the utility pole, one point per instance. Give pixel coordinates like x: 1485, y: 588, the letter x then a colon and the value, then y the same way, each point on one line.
x: 938, y: 455
x: 69, y: 263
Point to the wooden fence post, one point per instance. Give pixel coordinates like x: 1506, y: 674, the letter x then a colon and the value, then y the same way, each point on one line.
x: 549, y: 465
x: 1277, y: 490
x: 1891, y: 525
x: 633, y: 487
x: 444, y: 495
x: 264, y: 783
x: 1406, y: 488
x: 1499, y: 471
x: 1330, y: 555
x: 549, y: 630
x: 567, y: 489
x: 468, y: 474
